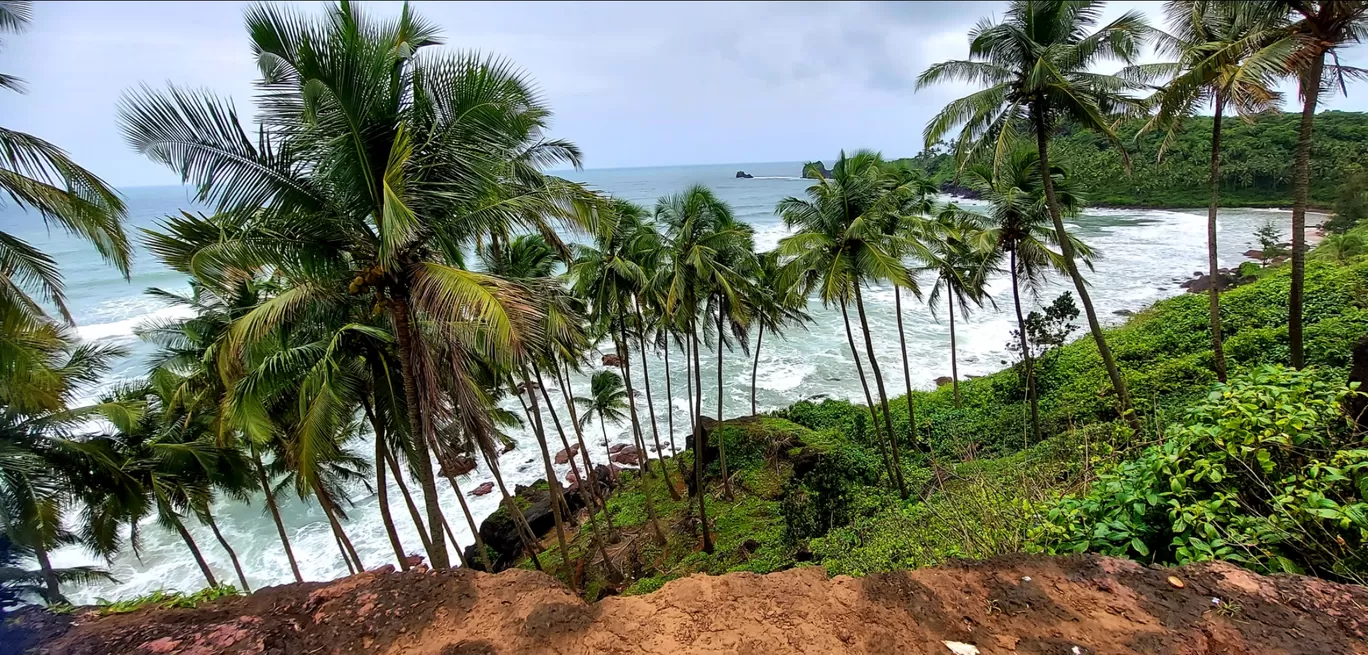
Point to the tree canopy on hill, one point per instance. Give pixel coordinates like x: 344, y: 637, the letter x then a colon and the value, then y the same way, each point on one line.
x: 1256, y: 168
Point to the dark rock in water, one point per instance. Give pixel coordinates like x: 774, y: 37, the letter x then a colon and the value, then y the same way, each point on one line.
x: 951, y: 189
x: 826, y: 173
x: 458, y: 465
x: 1356, y: 405
x: 483, y: 489
x: 1254, y: 254
x: 1124, y: 312
x: 1225, y: 279
x: 563, y: 457
x: 612, y: 360
x: 617, y: 448
x: 500, y: 533
x: 944, y: 380
x: 744, y: 175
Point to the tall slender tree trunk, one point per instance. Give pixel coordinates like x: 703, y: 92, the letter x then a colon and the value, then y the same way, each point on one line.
x: 954, y: 359
x: 755, y: 368
x: 275, y: 512
x: 53, y: 595
x: 481, y: 551
x: 1066, y: 249
x: 669, y: 414
x: 552, y: 481
x: 330, y: 511
x: 232, y: 554
x: 700, y: 485
x: 650, y: 407
x: 869, y: 399
x: 1025, y: 351
x: 883, y: 394
x: 1214, y: 293
x: 408, y: 499
x: 194, y: 548
x: 1301, y: 191
x: 721, y: 446
x: 382, y: 496
x: 907, y: 373
x: 689, y: 376
x: 637, y: 435
x: 346, y: 559
x: 581, y: 481
x: 584, y: 449
x: 403, y: 323
x: 382, y: 487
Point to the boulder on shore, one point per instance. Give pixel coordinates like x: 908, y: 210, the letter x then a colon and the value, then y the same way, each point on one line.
x: 563, y: 457
x: 500, y: 533
x: 483, y: 489
x: 457, y: 465
x: 944, y: 380
x: 628, y: 455
x: 612, y: 360
x: 744, y: 175
x: 617, y: 448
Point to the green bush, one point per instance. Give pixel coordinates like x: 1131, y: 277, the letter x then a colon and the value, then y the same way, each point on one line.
x: 1264, y: 472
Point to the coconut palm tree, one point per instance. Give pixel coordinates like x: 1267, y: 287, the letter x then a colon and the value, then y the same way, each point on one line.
x: 1321, y: 29
x: 608, y: 401
x: 374, y: 170
x: 37, y: 175
x: 1017, y: 225
x: 960, y: 269
x: 1227, y: 54
x: 841, y: 244
x: 774, y: 306
x: 18, y: 583
x: 1037, y: 66
x: 906, y: 205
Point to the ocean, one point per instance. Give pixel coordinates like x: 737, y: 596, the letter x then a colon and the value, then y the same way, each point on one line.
x: 1143, y: 254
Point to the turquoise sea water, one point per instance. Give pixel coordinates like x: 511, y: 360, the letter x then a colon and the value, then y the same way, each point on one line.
x: 1144, y: 254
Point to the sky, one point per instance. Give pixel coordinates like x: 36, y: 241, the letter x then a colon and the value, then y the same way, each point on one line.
x: 643, y: 84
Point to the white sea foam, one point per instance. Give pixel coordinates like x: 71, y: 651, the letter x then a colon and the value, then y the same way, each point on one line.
x: 124, y: 330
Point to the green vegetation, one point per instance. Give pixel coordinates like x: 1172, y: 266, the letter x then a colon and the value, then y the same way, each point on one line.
x: 166, y: 600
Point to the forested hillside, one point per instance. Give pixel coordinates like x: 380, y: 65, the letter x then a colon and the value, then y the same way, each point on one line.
x: 1256, y: 161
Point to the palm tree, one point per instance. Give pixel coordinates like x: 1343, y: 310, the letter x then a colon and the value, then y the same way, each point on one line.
x: 374, y: 170
x: 1018, y: 225
x: 1228, y: 54
x: 1037, y: 64
x: 775, y: 306
x: 840, y: 245
x: 702, y: 237
x: 961, y: 272
x: 37, y: 175
x: 608, y: 401
x: 18, y: 583
x: 1322, y: 28
x: 908, y: 202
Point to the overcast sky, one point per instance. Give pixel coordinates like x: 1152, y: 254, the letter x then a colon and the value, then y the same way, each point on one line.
x: 633, y: 84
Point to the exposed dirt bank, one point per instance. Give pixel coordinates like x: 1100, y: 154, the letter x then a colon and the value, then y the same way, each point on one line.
x: 1013, y: 604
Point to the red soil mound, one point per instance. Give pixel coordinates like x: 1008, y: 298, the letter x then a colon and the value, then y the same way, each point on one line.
x: 1014, y: 604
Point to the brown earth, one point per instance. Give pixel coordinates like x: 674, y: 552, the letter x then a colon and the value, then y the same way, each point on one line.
x: 1014, y: 604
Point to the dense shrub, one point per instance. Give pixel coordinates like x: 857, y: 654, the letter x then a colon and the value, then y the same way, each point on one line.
x: 1264, y: 472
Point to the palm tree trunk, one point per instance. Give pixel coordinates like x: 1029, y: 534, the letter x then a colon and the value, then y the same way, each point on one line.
x: 669, y: 414
x: 650, y: 407
x: 1025, y: 351
x: 194, y: 548
x: 954, y: 360
x: 1301, y: 190
x: 637, y: 434
x: 382, y: 487
x: 1214, y: 293
x: 330, y: 511
x: 690, y: 360
x: 403, y: 323
x: 581, y: 481
x: 480, y: 550
x: 408, y: 499
x: 755, y: 368
x: 883, y: 395
x: 721, y: 447
x: 53, y: 595
x: 584, y: 448
x: 232, y: 554
x: 553, y: 485
x: 869, y: 399
x: 382, y: 496
x: 699, y: 484
x: 275, y: 513
x: 907, y: 373
x: 1066, y: 249
x: 346, y: 559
